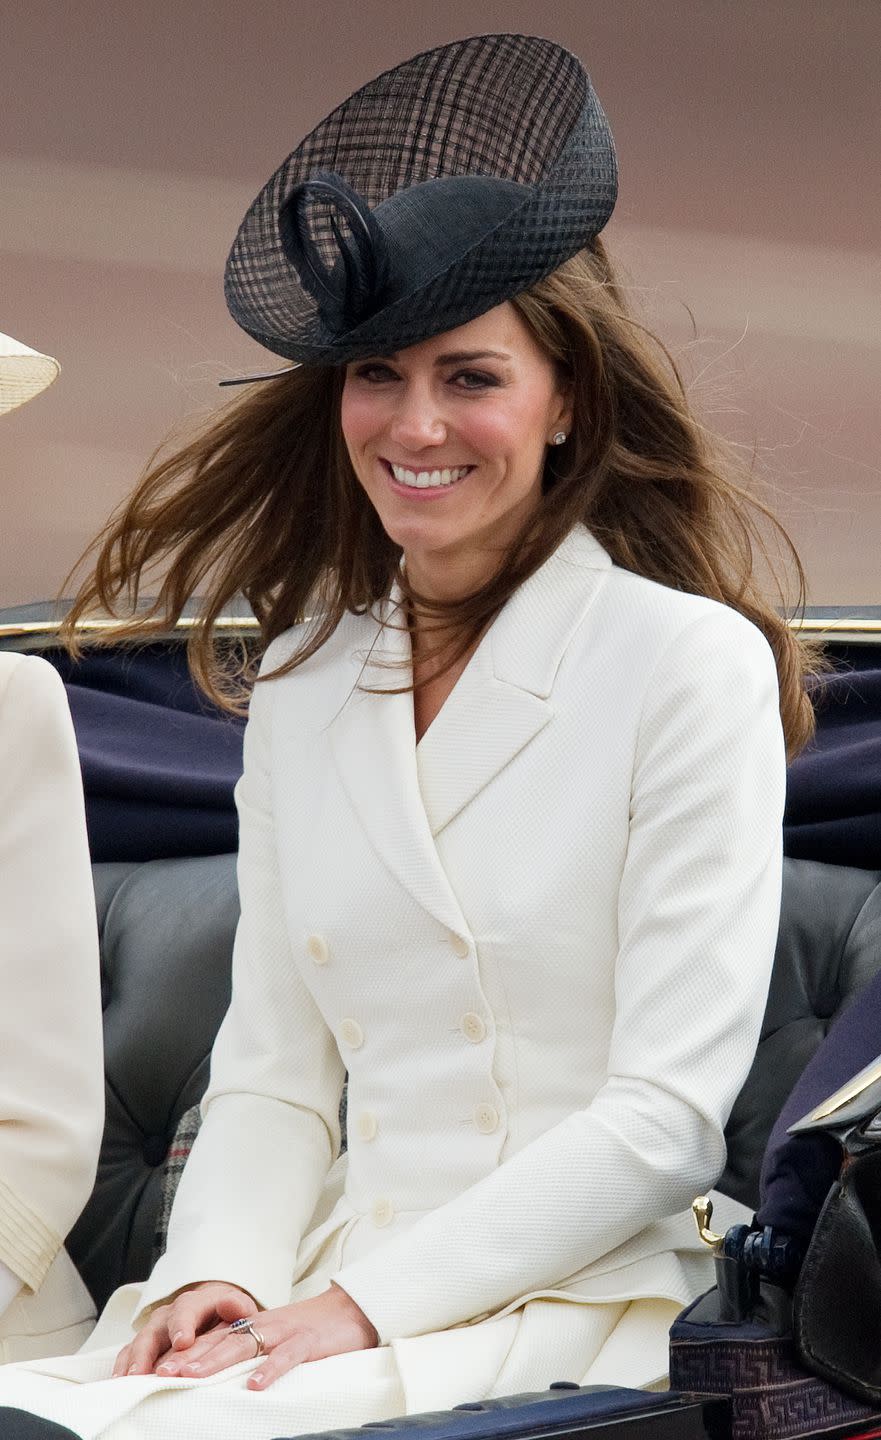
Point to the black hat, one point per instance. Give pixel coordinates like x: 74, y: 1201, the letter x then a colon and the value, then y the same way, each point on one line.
x: 435, y: 192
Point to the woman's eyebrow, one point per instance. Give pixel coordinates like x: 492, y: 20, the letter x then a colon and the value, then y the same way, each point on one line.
x: 463, y: 357
x: 451, y: 357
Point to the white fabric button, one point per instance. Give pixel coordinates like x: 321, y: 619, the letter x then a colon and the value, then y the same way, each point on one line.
x: 367, y: 1125
x: 383, y: 1214
x: 473, y: 1028
x: 486, y: 1118
x: 352, y: 1034
x: 317, y: 948
x: 460, y: 945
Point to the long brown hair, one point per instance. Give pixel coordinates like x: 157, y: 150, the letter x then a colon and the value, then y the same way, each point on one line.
x: 264, y: 503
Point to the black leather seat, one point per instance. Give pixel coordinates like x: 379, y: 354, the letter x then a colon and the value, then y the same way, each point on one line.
x: 166, y: 937
x: 167, y: 929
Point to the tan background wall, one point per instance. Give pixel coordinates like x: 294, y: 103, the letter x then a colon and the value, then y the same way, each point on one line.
x: 135, y: 135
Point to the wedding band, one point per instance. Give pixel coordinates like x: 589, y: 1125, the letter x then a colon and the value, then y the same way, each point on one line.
x: 246, y: 1327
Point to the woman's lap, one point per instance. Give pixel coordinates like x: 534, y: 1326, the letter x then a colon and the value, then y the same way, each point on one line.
x: 546, y: 1340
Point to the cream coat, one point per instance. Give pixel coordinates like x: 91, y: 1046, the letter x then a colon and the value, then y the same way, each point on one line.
x: 51, y: 1072
x: 539, y: 942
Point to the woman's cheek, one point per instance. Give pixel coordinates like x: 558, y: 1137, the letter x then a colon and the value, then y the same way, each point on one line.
x: 359, y: 417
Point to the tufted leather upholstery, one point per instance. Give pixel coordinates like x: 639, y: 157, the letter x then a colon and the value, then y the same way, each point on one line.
x: 828, y: 946
x: 166, y: 940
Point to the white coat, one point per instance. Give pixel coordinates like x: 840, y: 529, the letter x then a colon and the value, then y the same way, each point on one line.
x: 51, y: 1071
x: 539, y: 942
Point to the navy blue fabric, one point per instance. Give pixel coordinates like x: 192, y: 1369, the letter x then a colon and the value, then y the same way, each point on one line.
x: 833, y: 806
x: 515, y: 1415
x: 159, y: 762
x: 798, y: 1169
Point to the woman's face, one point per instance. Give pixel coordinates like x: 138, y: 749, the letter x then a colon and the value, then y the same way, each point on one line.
x: 448, y: 439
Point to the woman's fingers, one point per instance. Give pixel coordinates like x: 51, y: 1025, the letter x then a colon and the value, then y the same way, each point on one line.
x: 169, y: 1362
x: 226, y: 1348
x: 284, y: 1357
x: 173, y: 1329
x: 139, y: 1357
x: 192, y: 1313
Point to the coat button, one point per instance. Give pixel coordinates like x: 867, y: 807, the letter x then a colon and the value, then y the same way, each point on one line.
x: 352, y: 1034
x: 486, y: 1118
x: 317, y: 948
x: 473, y: 1028
x: 367, y: 1125
x: 460, y: 945
x: 383, y: 1214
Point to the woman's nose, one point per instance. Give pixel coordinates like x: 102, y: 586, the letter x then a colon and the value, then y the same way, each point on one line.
x: 418, y: 421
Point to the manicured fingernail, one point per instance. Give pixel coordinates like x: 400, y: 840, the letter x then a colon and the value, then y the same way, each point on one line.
x: 256, y: 1378
x: 192, y: 1366
x: 178, y: 1335
x: 164, y: 1369
x: 133, y: 1369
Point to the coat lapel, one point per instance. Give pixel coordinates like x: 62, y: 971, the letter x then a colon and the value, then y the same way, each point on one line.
x: 483, y: 725
x: 503, y: 698
x: 373, y: 743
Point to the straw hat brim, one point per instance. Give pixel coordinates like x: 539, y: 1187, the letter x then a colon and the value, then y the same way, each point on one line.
x: 23, y: 373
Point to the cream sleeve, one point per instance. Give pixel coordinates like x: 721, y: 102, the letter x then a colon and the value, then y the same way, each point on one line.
x: 51, y: 1060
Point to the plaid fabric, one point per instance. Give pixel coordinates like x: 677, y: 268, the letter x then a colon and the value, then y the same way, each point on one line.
x: 469, y: 172
x: 176, y: 1159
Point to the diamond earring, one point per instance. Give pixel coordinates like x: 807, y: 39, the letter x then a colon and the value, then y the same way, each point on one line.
x: 560, y: 438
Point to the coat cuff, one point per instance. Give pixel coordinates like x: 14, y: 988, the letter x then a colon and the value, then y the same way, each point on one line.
x: 267, y: 1279
x: 27, y: 1244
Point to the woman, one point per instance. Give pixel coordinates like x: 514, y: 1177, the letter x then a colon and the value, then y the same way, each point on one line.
x: 512, y: 798
x: 51, y: 1075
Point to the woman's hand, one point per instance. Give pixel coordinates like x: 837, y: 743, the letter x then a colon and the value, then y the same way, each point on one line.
x: 328, y: 1324
x: 175, y: 1327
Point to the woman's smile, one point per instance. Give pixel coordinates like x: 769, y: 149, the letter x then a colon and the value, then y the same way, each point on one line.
x: 424, y: 483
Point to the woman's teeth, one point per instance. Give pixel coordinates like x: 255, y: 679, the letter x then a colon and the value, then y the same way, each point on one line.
x: 422, y: 479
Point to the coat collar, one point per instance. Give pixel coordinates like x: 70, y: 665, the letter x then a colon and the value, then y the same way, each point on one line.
x: 403, y: 796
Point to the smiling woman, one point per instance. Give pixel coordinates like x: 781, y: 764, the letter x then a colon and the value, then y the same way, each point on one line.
x: 514, y: 777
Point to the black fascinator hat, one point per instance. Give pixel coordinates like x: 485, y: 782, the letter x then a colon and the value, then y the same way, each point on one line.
x: 435, y: 192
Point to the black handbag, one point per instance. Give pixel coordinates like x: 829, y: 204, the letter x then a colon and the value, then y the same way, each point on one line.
x: 793, y: 1334
x: 836, y: 1308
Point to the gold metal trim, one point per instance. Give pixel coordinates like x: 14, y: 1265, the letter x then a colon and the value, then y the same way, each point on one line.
x: 841, y: 629
x: 857, y: 632
x: 702, y: 1210
x: 870, y: 1075
x: 26, y: 628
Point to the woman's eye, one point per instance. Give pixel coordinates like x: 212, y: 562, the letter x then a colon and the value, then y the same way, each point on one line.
x: 375, y: 373
x: 474, y: 380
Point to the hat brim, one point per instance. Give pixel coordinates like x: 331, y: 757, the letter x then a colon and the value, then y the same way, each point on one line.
x: 22, y: 377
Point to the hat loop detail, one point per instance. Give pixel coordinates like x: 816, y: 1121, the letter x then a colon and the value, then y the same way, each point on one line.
x: 348, y: 287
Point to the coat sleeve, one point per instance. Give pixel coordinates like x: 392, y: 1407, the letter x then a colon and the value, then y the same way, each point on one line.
x: 270, y: 1129
x: 698, y: 912
x: 51, y: 1058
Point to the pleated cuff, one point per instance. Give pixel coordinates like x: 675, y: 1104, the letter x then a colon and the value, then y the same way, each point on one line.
x: 27, y: 1244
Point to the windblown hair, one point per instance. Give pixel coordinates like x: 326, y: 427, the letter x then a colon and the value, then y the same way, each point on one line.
x: 264, y: 502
